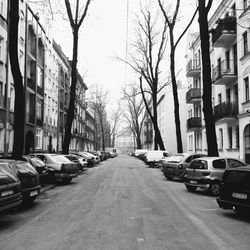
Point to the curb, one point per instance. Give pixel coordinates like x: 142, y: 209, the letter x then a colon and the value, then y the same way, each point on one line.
x: 46, y: 187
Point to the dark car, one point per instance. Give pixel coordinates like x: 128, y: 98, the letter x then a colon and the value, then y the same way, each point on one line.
x: 40, y: 167
x: 29, y: 178
x: 235, y: 190
x: 61, y: 167
x: 10, y: 188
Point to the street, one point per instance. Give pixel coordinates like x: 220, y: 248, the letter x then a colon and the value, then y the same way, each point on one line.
x: 123, y: 204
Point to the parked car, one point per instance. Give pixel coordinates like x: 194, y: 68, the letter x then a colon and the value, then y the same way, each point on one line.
x: 90, y: 159
x: 235, y: 190
x: 62, y: 168
x: 40, y: 167
x: 154, y: 157
x: 79, y: 160
x: 139, y: 151
x: 97, y: 158
x: 207, y: 172
x: 175, y: 165
x: 10, y: 188
x: 29, y: 178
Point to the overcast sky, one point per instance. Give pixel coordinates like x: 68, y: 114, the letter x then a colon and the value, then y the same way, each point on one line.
x: 103, y: 38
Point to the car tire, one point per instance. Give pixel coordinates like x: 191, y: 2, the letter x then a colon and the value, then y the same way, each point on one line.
x: 190, y: 188
x: 214, y: 188
x: 67, y: 181
x: 169, y: 178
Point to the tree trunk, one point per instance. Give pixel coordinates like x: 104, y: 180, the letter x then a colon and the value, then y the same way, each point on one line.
x: 175, y: 95
x: 71, y: 109
x: 19, y: 115
x: 207, y: 83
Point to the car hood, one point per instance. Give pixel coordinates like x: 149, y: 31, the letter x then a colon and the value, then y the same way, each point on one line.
x: 7, y: 176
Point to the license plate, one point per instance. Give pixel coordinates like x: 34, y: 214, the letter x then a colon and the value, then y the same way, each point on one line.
x: 6, y: 193
x: 33, y: 193
x: 72, y: 175
x: 193, y: 182
x: 239, y: 196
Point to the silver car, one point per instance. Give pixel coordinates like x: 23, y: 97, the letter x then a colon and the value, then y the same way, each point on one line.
x: 175, y: 165
x: 207, y: 172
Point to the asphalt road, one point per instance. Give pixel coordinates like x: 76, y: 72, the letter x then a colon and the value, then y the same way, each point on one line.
x: 122, y: 204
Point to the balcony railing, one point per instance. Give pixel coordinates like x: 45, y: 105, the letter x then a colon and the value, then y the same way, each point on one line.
x: 193, y: 95
x: 225, y: 110
x: 194, y: 123
x: 225, y: 73
x: 224, y: 34
x: 2, y: 101
x: 193, y: 68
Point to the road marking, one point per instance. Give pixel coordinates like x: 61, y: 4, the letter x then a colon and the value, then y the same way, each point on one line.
x: 140, y: 239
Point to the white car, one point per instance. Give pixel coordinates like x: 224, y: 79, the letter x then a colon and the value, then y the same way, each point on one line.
x: 154, y: 157
x: 59, y: 166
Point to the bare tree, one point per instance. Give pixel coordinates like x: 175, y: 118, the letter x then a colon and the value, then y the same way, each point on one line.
x: 75, y: 23
x: 19, y: 115
x: 212, y: 146
x: 115, y: 121
x: 150, y: 47
x: 98, y: 104
x: 171, y: 21
x: 133, y: 110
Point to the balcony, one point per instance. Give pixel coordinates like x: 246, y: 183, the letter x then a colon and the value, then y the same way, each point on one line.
x: 193, y: 123
x: 226, y: 110
x: 2, y: 101
x: 193, y: 68
x: 224, y: 35
x: 193, y: 96
x: 225, y: 73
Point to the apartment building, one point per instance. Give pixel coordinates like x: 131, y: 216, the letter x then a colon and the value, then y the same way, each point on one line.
x: 230, y: 62
x: 90, y: 129
x: 125, y: 142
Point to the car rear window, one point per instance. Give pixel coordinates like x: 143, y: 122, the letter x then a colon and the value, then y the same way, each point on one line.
x: 237, y: 179
x: 220, y: 163
x: 60, y: 159
x: 37, y: 162
x: 198, y: 164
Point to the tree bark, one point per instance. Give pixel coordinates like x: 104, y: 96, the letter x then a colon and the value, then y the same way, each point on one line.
x: 207, y: 83
x: 71, y: 108
x: 19, y: 115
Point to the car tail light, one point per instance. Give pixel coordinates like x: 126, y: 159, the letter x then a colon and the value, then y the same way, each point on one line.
x: 180, y: 166
x: 206, y: 173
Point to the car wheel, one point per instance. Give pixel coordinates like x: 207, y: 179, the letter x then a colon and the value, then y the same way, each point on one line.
x: 214, y: 188
x: 67, y: 181
x: 169, y: 177
x: 190, y: 188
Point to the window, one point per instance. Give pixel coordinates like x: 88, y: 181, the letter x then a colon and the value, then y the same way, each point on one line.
x: 245, y: 43
x: 246, y: 84
x: 245, y: 4
x: 219, y: 98
x: 1, y: 8
x: 237, y: 136
x: 39, y: 137
x: 39, y: 108
x: 230, y: 137
x: 227, y: 60
x: 233, y: 8
x: 219, y: 164
x: 220, y: 138
x: 228, y: 95
x: 234, y: 163
x: 39, y: 77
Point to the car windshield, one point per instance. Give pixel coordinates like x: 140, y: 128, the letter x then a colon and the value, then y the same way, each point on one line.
x: 60, y: 159
x: 37, y: 162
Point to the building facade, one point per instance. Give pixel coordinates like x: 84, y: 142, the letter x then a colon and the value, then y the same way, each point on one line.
x: 230, y: 72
